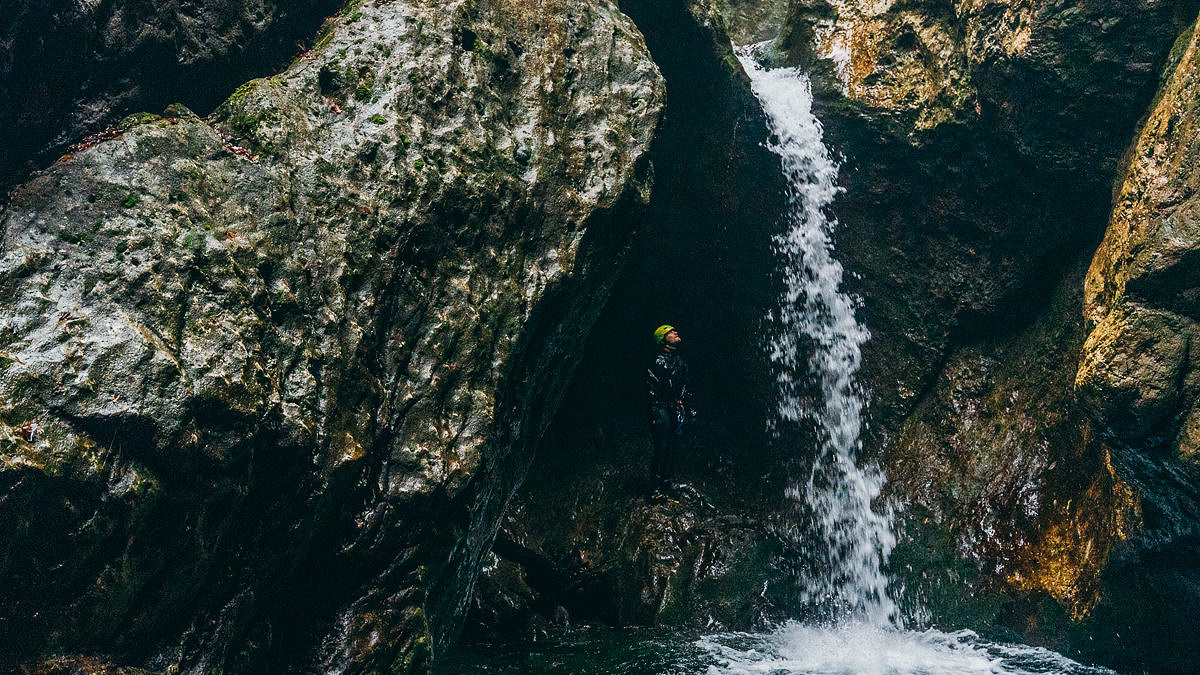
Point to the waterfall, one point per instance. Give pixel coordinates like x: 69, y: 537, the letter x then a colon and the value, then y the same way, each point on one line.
x: 815, y: 321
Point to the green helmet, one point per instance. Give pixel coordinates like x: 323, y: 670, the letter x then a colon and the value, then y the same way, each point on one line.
x: 660, y: 333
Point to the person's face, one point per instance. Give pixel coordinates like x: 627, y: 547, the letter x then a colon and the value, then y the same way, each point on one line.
x: 672, y: 338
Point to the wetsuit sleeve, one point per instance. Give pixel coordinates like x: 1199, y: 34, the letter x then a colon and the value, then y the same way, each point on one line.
x: 653, y: 384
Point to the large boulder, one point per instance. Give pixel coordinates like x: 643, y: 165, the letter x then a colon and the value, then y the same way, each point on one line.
x: 269, y: 379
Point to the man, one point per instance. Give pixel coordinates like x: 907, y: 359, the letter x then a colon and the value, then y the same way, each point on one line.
x: 670, y: 405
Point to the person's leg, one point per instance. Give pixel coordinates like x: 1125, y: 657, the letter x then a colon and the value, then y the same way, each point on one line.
x: 660, y: 435
x: 670, y: 453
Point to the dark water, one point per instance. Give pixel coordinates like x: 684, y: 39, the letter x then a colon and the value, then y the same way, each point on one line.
x: 631, y: 651
x: 792, y: 649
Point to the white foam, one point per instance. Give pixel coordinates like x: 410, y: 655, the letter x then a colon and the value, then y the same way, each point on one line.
x: 857, y: 648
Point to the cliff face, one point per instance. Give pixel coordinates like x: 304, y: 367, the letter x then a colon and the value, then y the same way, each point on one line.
x: 1137, y: 371
x: 269, y: 378
x: 273, y: 375
x: 981, y: 142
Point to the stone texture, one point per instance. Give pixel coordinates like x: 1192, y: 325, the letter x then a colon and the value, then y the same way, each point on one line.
x: 979, y: 146
x: 1005, y: 484
x: 752, y: 21
x: 623, y: 559
x: 274, y: 375
x: 70, y: 68
x: 1138, y: 373
x: 981, y: 141
x: 701, y: 263
x: 1017, y: 113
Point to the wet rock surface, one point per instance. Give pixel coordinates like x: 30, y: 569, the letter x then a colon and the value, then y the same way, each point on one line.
x: 1137, y: 375
x: 1007, y: 488
x: 990, y: 408
x: 1137, y: 372
x: 270, y: 378
x: 981, y: 146
x: 627, y: 559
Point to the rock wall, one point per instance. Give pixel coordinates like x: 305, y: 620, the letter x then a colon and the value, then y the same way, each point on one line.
x: 981, y: 143
x: 1137, y: 376
x: 269, y: 378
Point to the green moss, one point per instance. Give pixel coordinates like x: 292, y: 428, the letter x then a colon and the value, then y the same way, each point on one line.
x: 178, y: 110
x: 130, y: 201
x: 242, y: 91
x: 195, y: 242
x: 135, y: 120
x: 419, y: 164
x: 324, y: 40
x: 377, y: 119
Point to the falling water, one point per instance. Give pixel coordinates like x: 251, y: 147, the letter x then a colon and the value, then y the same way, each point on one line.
x: 818, y: 337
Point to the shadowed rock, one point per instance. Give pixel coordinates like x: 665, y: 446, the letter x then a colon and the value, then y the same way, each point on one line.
x: 69, y: 69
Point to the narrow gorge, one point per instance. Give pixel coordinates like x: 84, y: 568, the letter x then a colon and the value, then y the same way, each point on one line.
x: 325, y: 331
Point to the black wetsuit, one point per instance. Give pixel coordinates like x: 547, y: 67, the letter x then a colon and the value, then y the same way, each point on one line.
x: 670, y: 405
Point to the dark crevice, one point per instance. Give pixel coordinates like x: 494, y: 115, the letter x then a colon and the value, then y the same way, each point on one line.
x: 70, y: 71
